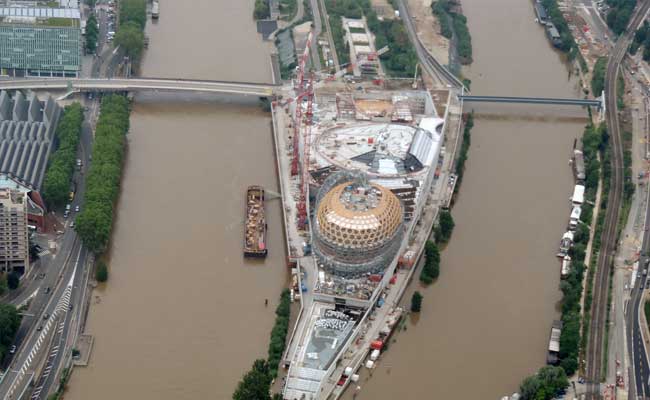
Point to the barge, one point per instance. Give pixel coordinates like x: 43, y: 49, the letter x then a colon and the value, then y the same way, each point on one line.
x: 255, y: 228
x: 155, y: 10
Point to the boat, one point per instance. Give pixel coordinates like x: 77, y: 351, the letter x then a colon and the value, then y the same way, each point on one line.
x: 566, y: 267
x: 255, y: 227
x: 553, y: 354
x: 565, y: 244
x: 155, y: 10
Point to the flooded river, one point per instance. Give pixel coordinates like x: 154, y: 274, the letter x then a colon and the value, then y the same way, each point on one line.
x: 485, y: 323
x: 183, y: 315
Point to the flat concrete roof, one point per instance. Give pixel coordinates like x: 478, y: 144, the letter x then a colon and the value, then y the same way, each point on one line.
x: 40, y: 12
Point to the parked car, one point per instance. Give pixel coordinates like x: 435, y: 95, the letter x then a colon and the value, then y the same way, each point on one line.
x: 12, y: 350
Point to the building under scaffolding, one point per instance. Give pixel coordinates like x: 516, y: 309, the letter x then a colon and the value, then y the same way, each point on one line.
x: 358, y: 226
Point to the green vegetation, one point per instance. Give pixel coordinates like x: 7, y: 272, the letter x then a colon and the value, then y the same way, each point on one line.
x: 279, y: 332
x: 133, y: 11
x: 101, y: 272
x: 642, y: 38
x: 567, y: 42
x: 13, y: 280
x: 261, y: 10
x: 130, y: 33
x: 619, y: 14
x: 445, y: 227
x: 95, y: 221
x: 547, y: 383
x: 598, y: 76
x: 431, y: 269
x: 464, y: 148
x: 416, y: 302
x: 400, y: 60
x: 9, y: 323
x: 92, y: 32
x: 288, y: 8
x: 256, y: 383
x: 646, y: 311
x: 3, y: 284
x: 453, y: 23
x: 131, y: 38
x: 58, y: 176
x: 60, y: 22
x: 63, y: 382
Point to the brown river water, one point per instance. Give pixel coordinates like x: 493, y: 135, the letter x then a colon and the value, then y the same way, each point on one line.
x: 183, y: 316
x: 485, y: 323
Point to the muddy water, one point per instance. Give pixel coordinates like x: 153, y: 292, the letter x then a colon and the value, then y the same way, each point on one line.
x: 183, y: 315
x: 485, y: 322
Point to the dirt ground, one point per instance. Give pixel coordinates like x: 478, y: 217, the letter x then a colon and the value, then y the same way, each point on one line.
x: 429, y: 29
x: 383, y: 9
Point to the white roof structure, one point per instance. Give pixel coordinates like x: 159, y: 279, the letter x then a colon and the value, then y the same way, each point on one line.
x: 575, y: 213
x: 43, y: 12
x: 578, y: 194
x: 361, y: 49
x: 359, y: 38
x: 355, y: 23
x: 554, y: 343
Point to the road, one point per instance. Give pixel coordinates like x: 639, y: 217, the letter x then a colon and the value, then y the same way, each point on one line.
x: 318, y: 27
x: 436, y: 70
x: 599, y: 306
x: 330, y: 39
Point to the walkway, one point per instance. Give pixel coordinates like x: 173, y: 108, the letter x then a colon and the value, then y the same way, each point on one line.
x: 138, y: 84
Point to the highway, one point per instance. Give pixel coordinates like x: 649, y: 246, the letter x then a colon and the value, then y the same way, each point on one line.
x: 137, y: 84
x: 599, y: 306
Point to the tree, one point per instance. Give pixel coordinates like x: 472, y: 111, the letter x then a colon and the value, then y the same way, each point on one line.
x: 545, y: 385
x: 416, y: 301
x: 9, y: 323
x: 13, y: 280
x: 3, y: 284
x: 255, y: 384
x: 133, y: 11
x: 431, y: 268
x: 445, y: 226
x: 261, y: 10
x: 101, y: 273
x: 131, y: 38
x: 91, y: 34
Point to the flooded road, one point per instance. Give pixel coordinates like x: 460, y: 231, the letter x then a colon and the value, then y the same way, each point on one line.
x: 182, y: 315
x: 485, y: 323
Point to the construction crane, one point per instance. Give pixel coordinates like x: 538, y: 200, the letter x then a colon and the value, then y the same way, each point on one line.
x: 306, y: 147
x: 300, y: 91
x: 360, y: 61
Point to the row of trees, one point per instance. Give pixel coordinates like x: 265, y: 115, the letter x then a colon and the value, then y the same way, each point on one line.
x: 567, y: 42
x: 60, y: 169
x: 130, y: 34
x: 454, y: 23
x: 256, y: 383
x: 9, y: 323
x: 598, y: 76
x: 642, y: 38
x: 619, y: 14
x: 431, y: 269
x: 446, y: 224
x: 464, y: 148
x: 95, y: 221
x: 92, y: 34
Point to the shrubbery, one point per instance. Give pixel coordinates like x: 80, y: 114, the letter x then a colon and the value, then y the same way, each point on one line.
x: 279, y: 332
x: 598, y: 76
x: 95, y: 220
x: 431, y: 269
x: 9, y: 323
x: 101, y: 273
x: 60, y: 169
x: 416, y: 302
x: 450, y: 23
x: 445, y: 227
x: 464, y: 149
x: 546, y: 384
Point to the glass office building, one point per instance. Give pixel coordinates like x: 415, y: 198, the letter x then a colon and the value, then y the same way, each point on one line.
x: 40, y: 42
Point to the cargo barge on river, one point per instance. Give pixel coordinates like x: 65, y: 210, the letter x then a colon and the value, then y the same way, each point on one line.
x: 255, y: 228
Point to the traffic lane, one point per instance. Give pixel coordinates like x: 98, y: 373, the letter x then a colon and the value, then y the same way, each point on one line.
x: 34, y: 335
x: 75, y: 298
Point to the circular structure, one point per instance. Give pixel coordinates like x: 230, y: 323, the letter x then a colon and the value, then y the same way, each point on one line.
x: 357, y: 228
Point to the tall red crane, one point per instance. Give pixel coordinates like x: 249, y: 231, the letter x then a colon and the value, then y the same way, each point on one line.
x: 299, y: 87
x: 306, y: 146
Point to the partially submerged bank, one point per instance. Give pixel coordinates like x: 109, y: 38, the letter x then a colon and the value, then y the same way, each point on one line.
x: 453, y: 26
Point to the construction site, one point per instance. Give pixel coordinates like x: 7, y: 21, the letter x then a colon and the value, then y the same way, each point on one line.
x: 363, y: 171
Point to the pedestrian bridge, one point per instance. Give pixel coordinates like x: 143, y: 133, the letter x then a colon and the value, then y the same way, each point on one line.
x: 599, y: 102
x: 138, y: 84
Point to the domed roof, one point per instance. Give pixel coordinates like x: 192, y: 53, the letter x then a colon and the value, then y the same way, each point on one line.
x: 354, y: 215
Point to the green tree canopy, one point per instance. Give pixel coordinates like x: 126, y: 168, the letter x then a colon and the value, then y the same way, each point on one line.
x: 9, y: 323
x: 255, y: 385
x: 131, y: 38
x: 416, y: 301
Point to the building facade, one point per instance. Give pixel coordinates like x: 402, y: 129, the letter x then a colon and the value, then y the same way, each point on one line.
x: 14, y: 242
x: 45, y: 42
